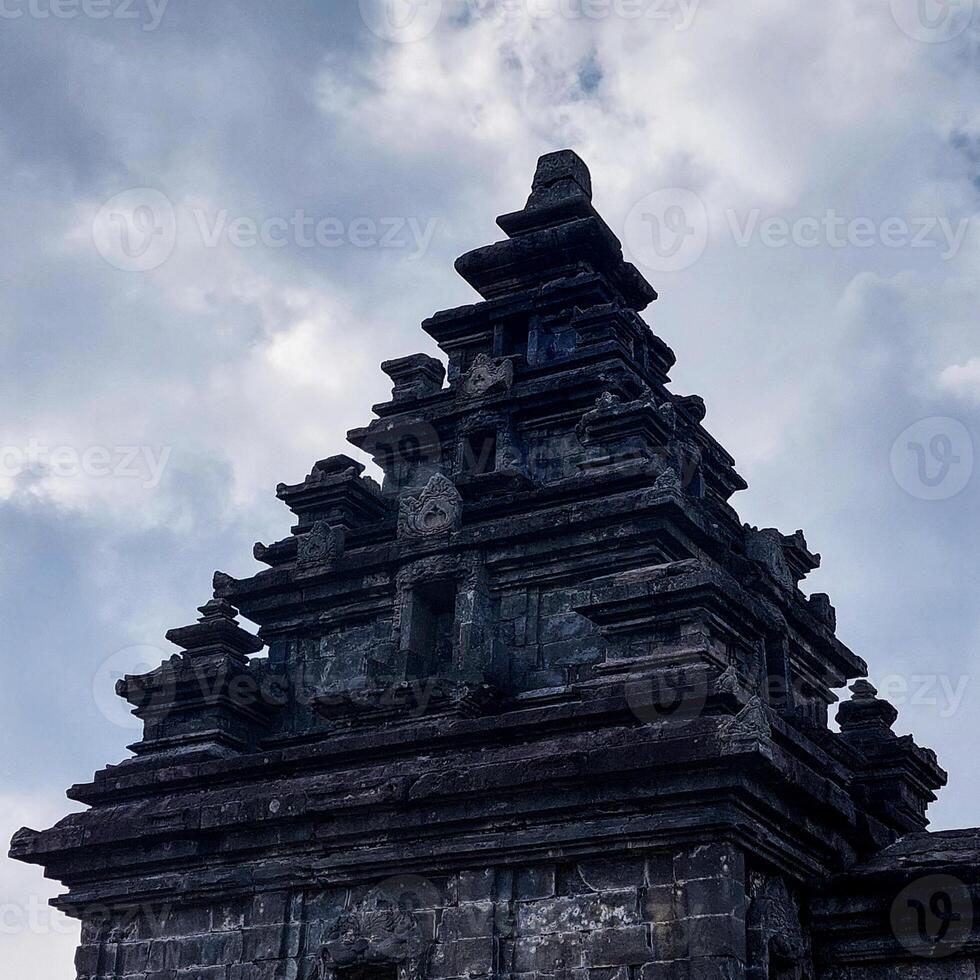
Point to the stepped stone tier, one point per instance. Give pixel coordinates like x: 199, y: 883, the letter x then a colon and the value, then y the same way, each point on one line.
x: 538, y: 705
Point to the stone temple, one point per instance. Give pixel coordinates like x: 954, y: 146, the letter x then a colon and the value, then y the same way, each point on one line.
x: 538, y: 706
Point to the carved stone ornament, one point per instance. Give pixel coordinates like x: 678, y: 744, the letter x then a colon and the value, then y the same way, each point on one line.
x: 382, y: 936
x: 766, y: 547
x: 437, y: 509
x: 322, y: 543
x: 668, y: 480
x: 775, y: 934
x: 751, y: 724
x: 487, y: 375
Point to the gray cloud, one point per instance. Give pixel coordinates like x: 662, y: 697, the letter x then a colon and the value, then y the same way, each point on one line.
x: 250, y: 363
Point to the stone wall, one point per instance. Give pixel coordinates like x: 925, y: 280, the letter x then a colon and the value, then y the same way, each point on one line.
x: 667, y: 915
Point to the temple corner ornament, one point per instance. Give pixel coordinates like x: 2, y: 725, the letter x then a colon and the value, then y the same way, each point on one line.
x: 436, y: 509
x: 488, y: 375
x: 320, y: 544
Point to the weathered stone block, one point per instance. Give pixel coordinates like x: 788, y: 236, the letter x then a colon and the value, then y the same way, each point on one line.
x: 543, y: 954
x: 467, y: 921
x: 263, y: 942
x: 613, y: 947
x: 613, y: 872
x: 534, y: 882
x: 475, y: 886
x: 462, y: 958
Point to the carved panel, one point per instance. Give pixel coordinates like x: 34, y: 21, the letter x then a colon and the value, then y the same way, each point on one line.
x: 488, y: 375
x: 322, y: 543
x: 436, y: 510
x: 365, y: 937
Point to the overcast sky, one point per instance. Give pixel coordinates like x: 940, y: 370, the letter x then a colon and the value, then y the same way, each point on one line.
x: 220, y: 217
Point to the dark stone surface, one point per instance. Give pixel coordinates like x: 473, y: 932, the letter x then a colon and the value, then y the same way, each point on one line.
x: 539, y: 705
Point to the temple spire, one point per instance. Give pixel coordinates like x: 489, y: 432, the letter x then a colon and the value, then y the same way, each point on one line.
x: 556, y: 236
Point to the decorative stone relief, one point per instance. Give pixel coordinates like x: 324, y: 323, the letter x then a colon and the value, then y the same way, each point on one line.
x: 751, y: 724
x: 766, y: 547
x: 380, y: 936
x: 775, y: 935
x: 488, y: 375
x: 321, y: 544
x: 436, y: 510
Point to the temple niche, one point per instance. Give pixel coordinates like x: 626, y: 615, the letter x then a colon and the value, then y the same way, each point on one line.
x: 536, y: 704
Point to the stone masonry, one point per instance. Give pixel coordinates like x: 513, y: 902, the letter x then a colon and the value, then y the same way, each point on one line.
x: 537, y: 706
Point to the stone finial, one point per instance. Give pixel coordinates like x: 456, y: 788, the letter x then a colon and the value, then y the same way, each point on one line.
x: 821, y: 607
x: 866, y: 712
x: 562, y: 173
x: 216, y: 633
x: 414, y: 376
x: 560, y: 192
x: 557, y: 232
x: 863, y: 690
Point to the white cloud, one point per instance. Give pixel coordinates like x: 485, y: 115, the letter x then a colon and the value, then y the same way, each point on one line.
x: 962, y: 380
x: 35, y: 940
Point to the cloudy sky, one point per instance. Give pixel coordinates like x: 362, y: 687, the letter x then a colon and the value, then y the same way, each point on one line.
x: 219, y: 217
